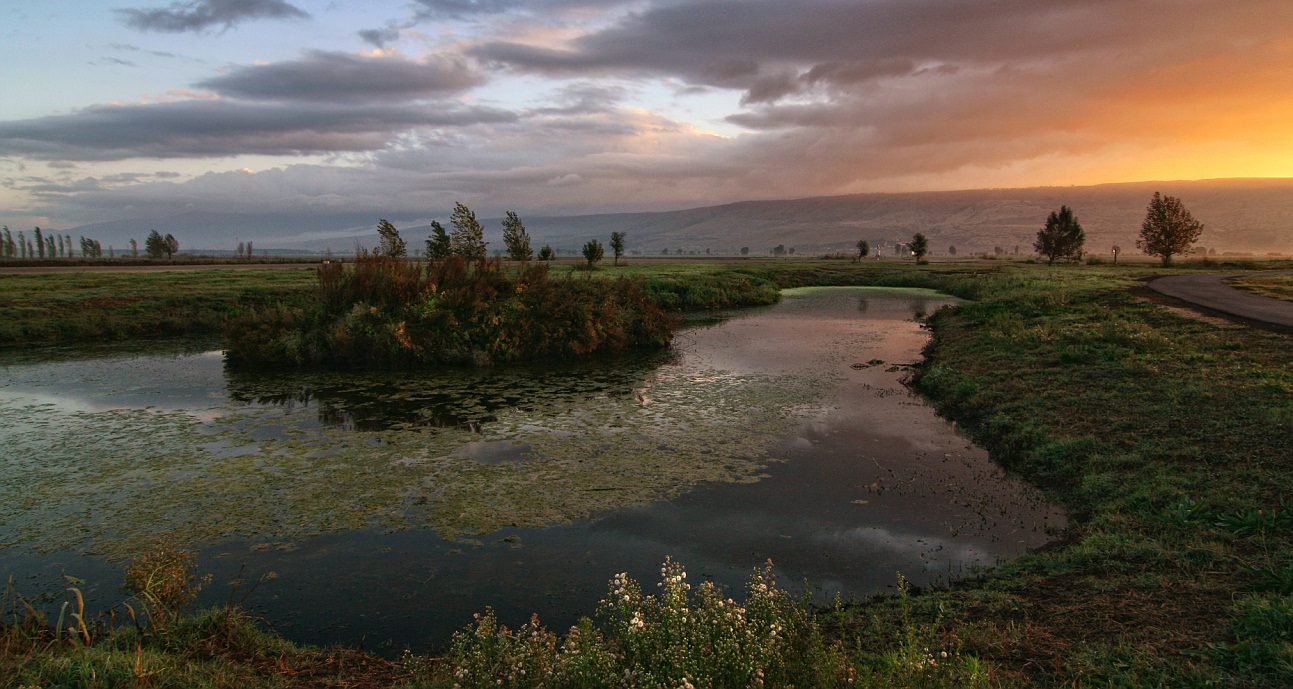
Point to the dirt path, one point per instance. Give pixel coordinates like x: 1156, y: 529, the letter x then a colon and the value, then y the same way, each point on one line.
x: 1210, y: 292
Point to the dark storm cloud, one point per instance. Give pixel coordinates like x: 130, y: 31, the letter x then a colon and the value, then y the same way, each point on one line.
x: 204, y: 14
x: 343, y: 78
x: 216, y: 128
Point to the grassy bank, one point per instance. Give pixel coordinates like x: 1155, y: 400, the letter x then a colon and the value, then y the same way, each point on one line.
x: 1165, y: 434
x: 62, y: 308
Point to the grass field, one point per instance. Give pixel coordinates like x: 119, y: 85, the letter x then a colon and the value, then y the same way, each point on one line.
x: 1165, y: 435
x: 1275, y: 286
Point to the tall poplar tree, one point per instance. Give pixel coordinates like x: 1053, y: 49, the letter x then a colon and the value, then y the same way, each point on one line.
x: 516, y: 239
x: 391, y: 243
x: 438, y: 244
x: 617, y: 245
x: 468, y: 237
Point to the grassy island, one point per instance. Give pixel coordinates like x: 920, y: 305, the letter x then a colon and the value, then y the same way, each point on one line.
x: 384, y: 310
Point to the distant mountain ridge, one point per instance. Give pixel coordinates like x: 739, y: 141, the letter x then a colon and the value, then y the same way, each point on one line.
x: 1240, y: 215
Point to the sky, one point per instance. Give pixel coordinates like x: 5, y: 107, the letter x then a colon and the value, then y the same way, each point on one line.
x: 147, y: 108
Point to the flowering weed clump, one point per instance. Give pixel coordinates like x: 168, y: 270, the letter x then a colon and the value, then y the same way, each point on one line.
x: 680, y: 638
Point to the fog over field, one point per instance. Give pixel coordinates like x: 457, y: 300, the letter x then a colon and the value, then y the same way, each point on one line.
x: 1240, y: 215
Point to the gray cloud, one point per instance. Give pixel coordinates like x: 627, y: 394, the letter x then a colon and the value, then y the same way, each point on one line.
x: 344, y: 78
x: 757, y: 45
x: 585, y: 98
x: 463, y: 8
x: 200, y: 15
x: 219, y: 128
x: 379, y: 37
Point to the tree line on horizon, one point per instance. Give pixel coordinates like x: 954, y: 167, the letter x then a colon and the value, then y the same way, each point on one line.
x: 43, y: 245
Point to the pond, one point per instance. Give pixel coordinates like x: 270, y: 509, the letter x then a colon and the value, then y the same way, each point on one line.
x: 391, y: 505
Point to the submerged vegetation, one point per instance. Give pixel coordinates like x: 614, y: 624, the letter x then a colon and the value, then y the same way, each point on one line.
x: 383, y: 310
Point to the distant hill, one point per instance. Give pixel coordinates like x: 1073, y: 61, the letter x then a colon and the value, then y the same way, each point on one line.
x: 1240, y: 215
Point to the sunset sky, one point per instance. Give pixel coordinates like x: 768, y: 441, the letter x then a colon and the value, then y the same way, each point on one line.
x: 143, y: 108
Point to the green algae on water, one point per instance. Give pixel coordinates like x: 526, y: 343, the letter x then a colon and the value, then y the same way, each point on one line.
x: 111, y: 481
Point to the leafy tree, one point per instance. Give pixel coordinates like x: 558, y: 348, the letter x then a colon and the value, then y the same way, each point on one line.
x: 779, y: 250
x: 154, y: 245
x: 1062, y: 237
x: 241, y: 248
x: 918, y: 246
x: 172, y: 245
x: 1168, y: 229
x: 864, y: 248
x: 390, y: 243
x: 51, y: 249
x: 951, y: 250
x: 468, y: 237
x: 617, y: 246
x: 40, y: 243
x: 516, y: 239
x: 134, y: 249
x: 745, y: 251
x: 592, y: 252
x: 22, y: 245
x: 546, y: 253
x: 68, y: 244
x: 438, y: 244
x: 6, y: 243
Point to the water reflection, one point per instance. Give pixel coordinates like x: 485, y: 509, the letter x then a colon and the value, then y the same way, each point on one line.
x: 465, y: 399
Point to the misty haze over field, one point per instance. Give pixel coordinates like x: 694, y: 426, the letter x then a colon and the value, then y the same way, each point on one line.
x: 1250, y: 216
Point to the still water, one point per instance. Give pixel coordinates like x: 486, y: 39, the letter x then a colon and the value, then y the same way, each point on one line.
x: 389, y: 506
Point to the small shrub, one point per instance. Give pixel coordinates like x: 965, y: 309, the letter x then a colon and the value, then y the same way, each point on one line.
x: 165, y: 580
x: 679, y: 638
